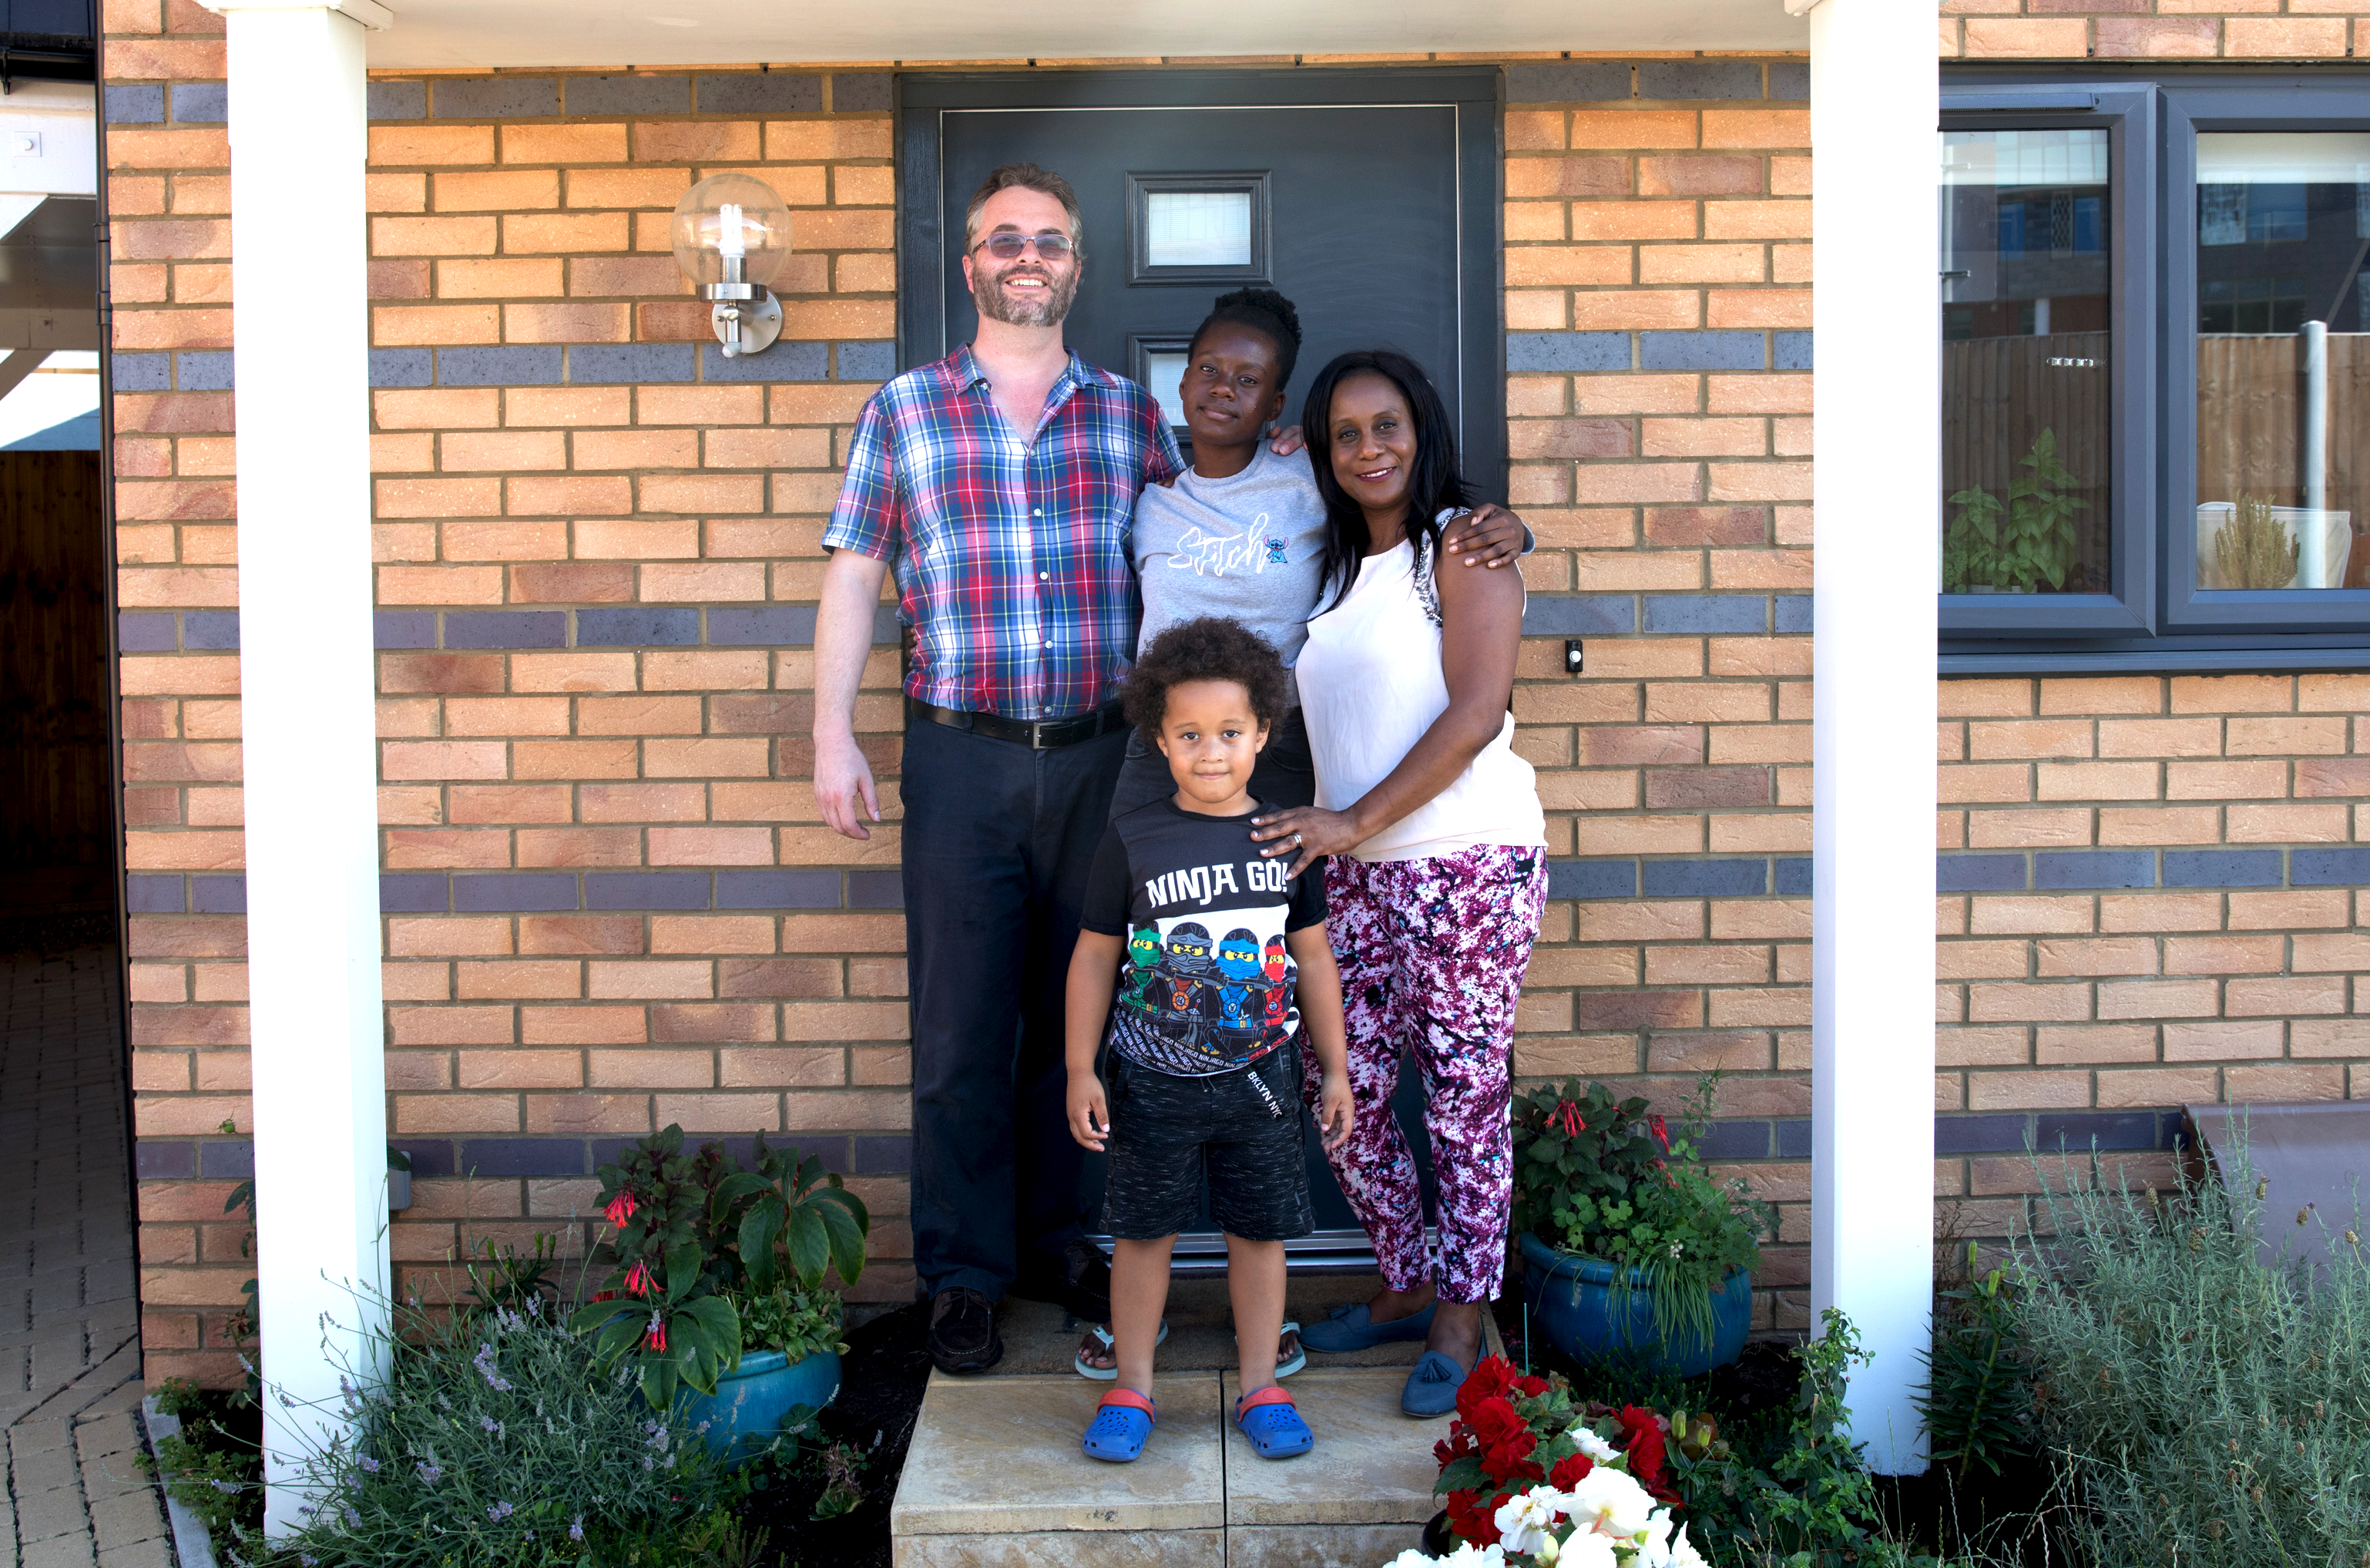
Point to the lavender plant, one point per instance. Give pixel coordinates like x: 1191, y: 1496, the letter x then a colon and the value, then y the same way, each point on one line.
x: 2208, y: 1393
x: 494, y: 1442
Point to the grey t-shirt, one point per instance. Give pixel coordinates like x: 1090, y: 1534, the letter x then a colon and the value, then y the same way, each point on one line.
x: 1251, y: 546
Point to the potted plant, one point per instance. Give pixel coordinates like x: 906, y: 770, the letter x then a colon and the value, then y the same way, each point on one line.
x: 1631, y: 1250
x: 711, y: 1262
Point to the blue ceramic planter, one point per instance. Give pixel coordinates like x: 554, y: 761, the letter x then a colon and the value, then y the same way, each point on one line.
x: 1573, y: 1306
x: 751, y: 1401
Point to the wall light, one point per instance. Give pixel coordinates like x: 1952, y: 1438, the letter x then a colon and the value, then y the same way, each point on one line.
x: 732, y: 233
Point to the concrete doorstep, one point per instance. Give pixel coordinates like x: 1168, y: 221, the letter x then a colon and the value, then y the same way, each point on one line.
x: 995, y: 1478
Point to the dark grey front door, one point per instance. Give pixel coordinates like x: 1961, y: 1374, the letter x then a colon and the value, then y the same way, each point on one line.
x: 1370, y: 198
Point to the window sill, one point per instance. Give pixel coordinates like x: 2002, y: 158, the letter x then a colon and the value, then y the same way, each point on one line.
x: 2155, y: 655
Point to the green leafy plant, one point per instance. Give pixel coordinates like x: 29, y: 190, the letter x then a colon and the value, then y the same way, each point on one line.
x: 2015, y: 544
x: 695, y: 1232
x: 1608, y: 1178
x: 2254, y: 548
x: 792, y: 1318
x: 841, y: 1464
x: 1807, y: 1502
x: 2206, y: 1390
x: 505, y: 1277
x: 205, y: 1468
x: 1978, y: 1400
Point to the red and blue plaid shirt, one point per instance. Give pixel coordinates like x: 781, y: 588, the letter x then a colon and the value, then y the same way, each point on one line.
x: 1012, y: 560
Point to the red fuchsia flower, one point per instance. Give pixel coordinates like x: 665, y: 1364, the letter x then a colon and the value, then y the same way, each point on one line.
x: 1660, y: 1131
x: 1566, y: 1116
x: 656, y: 1337
x: 604, y: 1295
x: 1569, y: 1471
x: 638, y: 1280
x: 621, y: 1208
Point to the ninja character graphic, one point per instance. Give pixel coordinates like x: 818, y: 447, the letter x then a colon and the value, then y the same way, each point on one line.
x: 1144, y: 969
x: 1278, y: 995
x: 1239, y: 962
x: 1180, y: 989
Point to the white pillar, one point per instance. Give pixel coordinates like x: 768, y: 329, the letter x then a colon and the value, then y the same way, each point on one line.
x: 301, y: 323
x: 1876, y: 487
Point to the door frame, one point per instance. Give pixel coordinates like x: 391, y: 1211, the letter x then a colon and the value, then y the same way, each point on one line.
x: 1476, y: 94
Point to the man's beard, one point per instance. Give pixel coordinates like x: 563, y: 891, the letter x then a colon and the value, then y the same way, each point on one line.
x: 1045, y: 309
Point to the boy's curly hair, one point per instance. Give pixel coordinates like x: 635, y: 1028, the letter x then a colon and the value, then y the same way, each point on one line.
x: 1211, y: 648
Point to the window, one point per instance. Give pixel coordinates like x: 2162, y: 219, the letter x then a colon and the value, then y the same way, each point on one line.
x: 2156, y: 384
x: 1185, y: 229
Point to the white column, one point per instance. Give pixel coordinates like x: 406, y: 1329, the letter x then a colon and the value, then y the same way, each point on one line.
x: 300, y: 317
x: 1875, y: 309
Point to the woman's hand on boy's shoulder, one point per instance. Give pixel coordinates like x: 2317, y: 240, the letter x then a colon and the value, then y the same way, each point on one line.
x: 1487, y: 536
x: 1287, y: 440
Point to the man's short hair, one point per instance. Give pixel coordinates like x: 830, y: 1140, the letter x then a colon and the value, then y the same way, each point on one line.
x: 1025, y: 176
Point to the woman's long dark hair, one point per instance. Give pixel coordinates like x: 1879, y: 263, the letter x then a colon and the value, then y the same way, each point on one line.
x: 1434, y: 487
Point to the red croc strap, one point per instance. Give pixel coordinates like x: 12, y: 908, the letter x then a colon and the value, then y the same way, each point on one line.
x: 1132, y: 1400
x: 1273, y: 1394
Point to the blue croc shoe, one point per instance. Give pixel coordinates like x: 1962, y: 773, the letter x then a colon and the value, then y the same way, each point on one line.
x: 1432, y: 1386
x: 1122, y: 1425
x: 1272, y: 1424
x: 1352, y: 1328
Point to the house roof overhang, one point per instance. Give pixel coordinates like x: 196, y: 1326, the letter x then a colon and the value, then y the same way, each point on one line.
x: 565, y: 34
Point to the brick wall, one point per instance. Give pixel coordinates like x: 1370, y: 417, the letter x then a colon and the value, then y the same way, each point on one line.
x: 610, y: 905
x: 2154, y: 29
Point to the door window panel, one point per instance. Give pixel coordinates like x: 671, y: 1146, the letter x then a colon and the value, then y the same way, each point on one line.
x: 2027, y: 362
x: 1197, y: 228
x: 2283, y: 360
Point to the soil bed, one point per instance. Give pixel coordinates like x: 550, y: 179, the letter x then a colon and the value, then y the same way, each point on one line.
x: 881, y: 1384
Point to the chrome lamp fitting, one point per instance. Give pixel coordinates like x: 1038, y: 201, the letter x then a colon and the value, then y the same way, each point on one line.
x: 732, y: 235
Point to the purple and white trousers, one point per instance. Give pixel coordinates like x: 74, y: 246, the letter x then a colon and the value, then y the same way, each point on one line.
x: 1432, y: 955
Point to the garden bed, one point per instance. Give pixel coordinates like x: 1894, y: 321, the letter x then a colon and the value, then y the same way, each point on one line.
x: 882, y: 1380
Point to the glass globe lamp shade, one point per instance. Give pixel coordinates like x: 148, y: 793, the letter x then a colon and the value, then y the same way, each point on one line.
x: 731, y: 228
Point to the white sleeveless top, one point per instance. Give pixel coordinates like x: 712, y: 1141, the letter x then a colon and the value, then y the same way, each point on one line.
x: 1371, y: 684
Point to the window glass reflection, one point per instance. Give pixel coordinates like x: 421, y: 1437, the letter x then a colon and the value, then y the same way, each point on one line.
x: 2283, y: 360
x: 2027, y: 364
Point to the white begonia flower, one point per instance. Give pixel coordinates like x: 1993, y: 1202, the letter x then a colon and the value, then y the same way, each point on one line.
x: 1683, y: 1552
x: 1612, y: 1502
x: 1468, y: 1555
x: 1411, y: 1557
x: 1524, y: 1522
x: 1586, y: 1549
x: 1596, y: 1447
x: 1654, y: 1547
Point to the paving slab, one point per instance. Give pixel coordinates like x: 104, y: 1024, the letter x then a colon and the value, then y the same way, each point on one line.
x: 1372, y: 1464
x: 1000, y: 1454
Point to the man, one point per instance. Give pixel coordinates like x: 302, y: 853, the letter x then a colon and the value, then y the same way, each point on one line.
x: 1000, y: 481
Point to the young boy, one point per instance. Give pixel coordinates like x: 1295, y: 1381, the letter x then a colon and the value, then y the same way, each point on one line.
x: 1181, y: 913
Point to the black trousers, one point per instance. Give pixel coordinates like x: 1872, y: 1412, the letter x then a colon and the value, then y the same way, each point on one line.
x: 998, y: 840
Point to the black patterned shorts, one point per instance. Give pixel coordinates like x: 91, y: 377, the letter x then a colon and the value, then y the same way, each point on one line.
x: 1240, y: 1131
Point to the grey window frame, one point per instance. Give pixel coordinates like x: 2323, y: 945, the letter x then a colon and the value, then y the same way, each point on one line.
x: 2173, y: 625
x: 2127, y: 111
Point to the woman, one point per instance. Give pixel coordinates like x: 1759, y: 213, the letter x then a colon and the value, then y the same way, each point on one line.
x: 1438, y: 869
x: 1242, y: 535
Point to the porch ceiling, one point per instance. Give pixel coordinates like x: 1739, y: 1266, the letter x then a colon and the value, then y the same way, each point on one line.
x: 573, y: 33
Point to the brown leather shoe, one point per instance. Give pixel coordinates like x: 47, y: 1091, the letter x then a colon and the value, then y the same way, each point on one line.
x: 962, y: 1331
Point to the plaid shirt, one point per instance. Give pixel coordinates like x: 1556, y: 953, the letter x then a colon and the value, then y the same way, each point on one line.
x: 1012, y: 560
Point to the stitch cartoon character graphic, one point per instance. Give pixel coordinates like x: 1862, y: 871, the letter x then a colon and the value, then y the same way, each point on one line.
x: 1238, y: 962
x: 1277, y: 966
x: 1275, y: 548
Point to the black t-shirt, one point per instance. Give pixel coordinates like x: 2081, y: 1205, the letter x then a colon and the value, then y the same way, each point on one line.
x: 1207, y: 987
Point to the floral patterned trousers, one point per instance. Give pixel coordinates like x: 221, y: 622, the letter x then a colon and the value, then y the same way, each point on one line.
x: 1432, y: 955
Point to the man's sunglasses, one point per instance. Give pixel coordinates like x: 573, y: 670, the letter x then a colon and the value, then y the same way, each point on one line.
x: 1007, y: 246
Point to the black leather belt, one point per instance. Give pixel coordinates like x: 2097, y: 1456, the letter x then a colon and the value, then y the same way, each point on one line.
x: 1044, y: 734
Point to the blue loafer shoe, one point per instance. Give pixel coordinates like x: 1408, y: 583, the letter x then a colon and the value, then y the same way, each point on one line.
x: 1432, y: 1386
x: 1352, y: 1328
